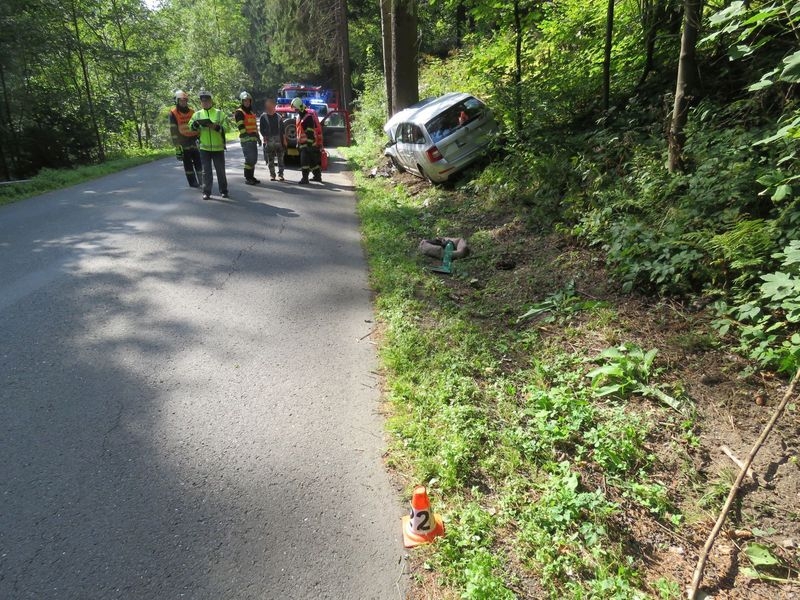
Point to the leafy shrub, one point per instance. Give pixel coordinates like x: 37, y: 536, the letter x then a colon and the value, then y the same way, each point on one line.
x: 768, y: 320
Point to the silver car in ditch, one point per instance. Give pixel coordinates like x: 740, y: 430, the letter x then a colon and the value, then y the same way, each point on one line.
x: 438, y: 137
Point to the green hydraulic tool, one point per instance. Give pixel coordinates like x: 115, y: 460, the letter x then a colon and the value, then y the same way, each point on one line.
x: 447, y: 260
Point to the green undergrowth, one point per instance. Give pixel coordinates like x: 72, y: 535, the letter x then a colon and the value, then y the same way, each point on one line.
x: 55, y: 179
x: 527, y: 442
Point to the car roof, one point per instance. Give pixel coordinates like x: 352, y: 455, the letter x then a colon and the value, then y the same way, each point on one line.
x: 404, y: 114
x: 425, y: 110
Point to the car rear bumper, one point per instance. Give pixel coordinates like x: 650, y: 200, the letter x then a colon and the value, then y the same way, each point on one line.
x: 441, y: 171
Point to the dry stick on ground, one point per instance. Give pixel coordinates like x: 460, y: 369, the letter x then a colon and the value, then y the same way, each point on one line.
x: 701, y: 561
x: 729, y: 453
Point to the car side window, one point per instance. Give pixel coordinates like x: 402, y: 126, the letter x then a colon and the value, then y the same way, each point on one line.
x: 402, y: 132
x: 335, y: 120
x: 416, y: 134
x: 407, y: 133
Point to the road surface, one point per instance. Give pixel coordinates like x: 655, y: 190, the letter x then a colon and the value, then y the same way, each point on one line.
x: 188, y: 404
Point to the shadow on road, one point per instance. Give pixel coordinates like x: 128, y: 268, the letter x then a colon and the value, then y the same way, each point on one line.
x: 139, y: 392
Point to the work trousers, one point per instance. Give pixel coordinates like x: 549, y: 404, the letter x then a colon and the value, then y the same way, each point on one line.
x: 274, y: 150
x: 192, y: 165
x: 311, y: 160
x: 218, y: 158
x: 250, y: 151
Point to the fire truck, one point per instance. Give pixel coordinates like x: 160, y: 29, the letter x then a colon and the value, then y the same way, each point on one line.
x: 314, y: 96
x: 332, y: 122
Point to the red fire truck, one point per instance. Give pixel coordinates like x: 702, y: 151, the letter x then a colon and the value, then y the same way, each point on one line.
x: 332, y: 123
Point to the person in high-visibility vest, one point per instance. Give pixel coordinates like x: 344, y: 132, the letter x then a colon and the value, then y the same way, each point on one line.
x: 212, y: 125
x: 309, y: 142
x: 184, y: 139
x: 247, y: 123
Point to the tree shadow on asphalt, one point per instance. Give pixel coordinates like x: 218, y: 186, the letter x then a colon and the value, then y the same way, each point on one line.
x: 114, y: 475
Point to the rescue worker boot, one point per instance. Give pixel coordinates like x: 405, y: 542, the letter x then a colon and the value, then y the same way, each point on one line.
x: 248, y: 177
x: 304, y: 180
x: 317, y: 174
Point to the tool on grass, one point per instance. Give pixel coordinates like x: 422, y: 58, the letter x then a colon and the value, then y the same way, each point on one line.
x: 447, y: 260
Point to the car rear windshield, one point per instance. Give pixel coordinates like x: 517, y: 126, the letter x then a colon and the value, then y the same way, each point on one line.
x: 453, y: 117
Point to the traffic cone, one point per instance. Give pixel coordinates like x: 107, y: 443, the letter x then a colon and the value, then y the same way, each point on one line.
x: 422, y: 526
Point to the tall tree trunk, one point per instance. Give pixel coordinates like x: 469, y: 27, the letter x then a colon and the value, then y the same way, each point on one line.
x: 343, y: 39
x: 12, y: 135
x: 405, y: 72
x: 461, y: 21
x: 649, y: 53
x: 127, y: 70
x: 386, y: 42
x: 519, y: 113
x: 146, y: 131
x: 686, y: 85
x: 607, y: 55
x: 101, y: 154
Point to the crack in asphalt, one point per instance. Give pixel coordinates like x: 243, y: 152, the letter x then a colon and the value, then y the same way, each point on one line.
x: 233, y: 268
x: 114, y: 425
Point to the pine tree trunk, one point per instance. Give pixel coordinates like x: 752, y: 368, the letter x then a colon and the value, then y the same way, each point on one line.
x: 343, y: 39
x: 686, y: 85
x: 607, y: 55
x: 386, y: 39
x: 461, y: 21
x: 11, y: 141
x: 405, y: 74
x: 519, y: 113
x: 127, y: 71
x: 101, y: 154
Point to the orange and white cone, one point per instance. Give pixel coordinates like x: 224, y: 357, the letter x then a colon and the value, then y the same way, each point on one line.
x: 422, y: 526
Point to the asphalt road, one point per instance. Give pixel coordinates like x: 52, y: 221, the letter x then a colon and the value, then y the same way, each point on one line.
x: 188, y: 404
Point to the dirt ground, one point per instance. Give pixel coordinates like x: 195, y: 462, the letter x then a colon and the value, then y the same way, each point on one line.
x: 733, y: 402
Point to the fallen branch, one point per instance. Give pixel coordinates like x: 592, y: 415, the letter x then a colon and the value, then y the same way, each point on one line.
x: 701, y: 561
x: 729, y: 453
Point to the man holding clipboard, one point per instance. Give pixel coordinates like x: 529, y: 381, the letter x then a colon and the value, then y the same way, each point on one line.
x: 212, y: 125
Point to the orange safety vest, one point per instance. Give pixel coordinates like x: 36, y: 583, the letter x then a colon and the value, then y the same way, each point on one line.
x: 183, y: 121
x: 249, y: 124
x: 302, y: 136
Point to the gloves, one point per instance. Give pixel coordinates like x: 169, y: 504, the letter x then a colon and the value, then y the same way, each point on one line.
x: 179, y: 152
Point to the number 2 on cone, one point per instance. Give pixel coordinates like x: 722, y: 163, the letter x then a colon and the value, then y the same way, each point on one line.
x: 425, y: 517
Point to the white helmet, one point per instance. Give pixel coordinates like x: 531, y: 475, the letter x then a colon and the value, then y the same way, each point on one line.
x: 245, y: 96
x: 180, y: 95
x: 204, y: 94
x: 297, y: 104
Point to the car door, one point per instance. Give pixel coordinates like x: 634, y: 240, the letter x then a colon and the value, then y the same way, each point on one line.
x: 404, y: 147
x: 336, y: 128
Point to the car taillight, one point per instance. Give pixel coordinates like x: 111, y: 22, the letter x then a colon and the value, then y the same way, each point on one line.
x: 433, y: 154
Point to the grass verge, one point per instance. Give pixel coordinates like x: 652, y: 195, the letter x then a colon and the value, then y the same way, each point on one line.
x: 528, y: 458
x: 54, y: 179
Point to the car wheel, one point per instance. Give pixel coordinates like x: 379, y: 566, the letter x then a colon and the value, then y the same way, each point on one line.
x: 400, y: 168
